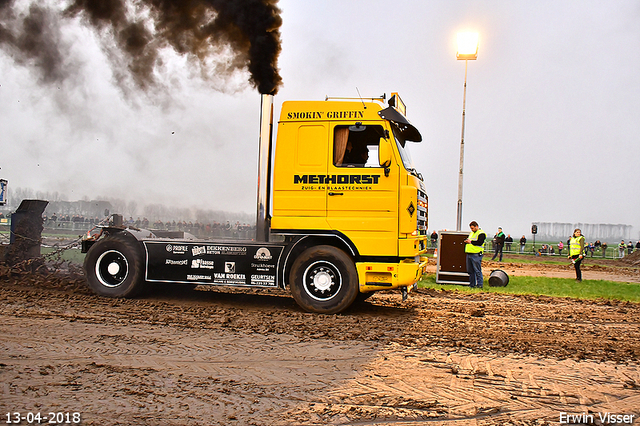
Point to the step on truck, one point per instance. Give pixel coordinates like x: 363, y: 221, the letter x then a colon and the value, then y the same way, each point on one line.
x: 343, y: 214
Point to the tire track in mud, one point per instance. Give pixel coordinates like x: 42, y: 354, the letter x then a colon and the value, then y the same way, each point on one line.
x: 461, y: 387
x: 225, y: 357
x: 233, y: 369
x: 602, y: 330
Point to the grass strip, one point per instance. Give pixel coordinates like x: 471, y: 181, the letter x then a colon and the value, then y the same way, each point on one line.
x: 555, y: 287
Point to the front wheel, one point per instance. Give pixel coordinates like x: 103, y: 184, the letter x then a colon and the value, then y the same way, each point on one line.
x: 323, y: 279
x: 114, y: 267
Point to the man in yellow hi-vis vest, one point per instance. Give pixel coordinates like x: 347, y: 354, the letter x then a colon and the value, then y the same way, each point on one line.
x: 576, y: 252
x: 474, y: 247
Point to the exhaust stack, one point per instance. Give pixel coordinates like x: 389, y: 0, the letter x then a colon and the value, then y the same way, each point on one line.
x: 264, y: 168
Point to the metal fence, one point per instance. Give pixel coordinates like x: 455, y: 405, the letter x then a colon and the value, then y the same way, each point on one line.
x: 242, y: 232
x: 611, y: 252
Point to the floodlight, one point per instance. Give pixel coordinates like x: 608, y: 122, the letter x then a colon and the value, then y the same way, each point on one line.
x: 467, y: 46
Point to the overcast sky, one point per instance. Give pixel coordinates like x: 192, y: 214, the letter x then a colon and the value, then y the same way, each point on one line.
x: 551, y: 126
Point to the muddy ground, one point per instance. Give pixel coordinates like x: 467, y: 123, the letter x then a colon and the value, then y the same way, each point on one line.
x: 224, y: 356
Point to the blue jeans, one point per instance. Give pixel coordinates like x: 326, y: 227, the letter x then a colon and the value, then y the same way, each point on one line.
x: 474, y: 268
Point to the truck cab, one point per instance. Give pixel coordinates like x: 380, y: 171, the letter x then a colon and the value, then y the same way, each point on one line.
x: 343, y: 174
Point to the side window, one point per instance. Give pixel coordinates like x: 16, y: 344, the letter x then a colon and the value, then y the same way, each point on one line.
x: 356, y: 146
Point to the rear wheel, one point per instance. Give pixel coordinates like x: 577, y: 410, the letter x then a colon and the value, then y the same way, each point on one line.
x: 114, y: 267
x: 323, y: 279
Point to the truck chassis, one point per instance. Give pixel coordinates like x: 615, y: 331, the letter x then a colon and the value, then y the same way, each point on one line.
x: 125, y: 262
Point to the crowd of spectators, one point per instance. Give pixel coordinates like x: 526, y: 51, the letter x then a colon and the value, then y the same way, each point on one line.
x: 591, y: 249
x: 597, y: 248
x: 54, y: 220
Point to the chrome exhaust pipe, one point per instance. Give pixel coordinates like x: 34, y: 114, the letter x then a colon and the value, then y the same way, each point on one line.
x: 264, y: 168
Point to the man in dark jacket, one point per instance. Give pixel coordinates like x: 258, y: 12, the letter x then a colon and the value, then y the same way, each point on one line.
x: 434, y: 239
x: 498, y: 240
x: 507, y: 242
x: 523, y: 241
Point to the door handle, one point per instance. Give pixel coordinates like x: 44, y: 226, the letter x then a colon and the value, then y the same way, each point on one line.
x: 336, y: 193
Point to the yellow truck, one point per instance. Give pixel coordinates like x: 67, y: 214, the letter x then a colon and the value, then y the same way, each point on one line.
x: 342, y: 214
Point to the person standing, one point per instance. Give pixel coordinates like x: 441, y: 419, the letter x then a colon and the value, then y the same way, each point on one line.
x: 621, y: 247
x: 604, y: 249
x: 523, y: 241
x: 507, y: 242
x: 560, y: 247
x: 434, y: 239
x: 474, y: 247
x: 498, y: 239
x: 576, y: 252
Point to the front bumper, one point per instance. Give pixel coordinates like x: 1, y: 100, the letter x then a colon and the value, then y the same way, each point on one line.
x: 386, y: 276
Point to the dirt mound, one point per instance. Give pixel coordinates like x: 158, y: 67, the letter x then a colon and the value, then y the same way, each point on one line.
x: 632, y: 259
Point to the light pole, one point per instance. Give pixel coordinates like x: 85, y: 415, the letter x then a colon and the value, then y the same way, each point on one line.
x: 467, y: 50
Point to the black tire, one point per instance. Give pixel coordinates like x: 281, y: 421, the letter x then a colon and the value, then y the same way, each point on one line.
x: 324, y: 280
x: 114, y: 267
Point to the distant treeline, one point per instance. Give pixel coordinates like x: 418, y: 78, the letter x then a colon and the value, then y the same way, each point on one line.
x: 97, y: 208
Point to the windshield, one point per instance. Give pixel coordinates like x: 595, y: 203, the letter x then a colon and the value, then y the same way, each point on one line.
x: 403, y: 149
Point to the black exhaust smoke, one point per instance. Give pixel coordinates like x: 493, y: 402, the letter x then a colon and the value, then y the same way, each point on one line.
x: 140, y: 29
x: 34, y: 39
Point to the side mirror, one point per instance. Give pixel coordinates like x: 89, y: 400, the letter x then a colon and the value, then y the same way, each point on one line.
x: 384, y: 153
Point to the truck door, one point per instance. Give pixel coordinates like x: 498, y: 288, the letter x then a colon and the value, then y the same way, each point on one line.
x: 300, y: 198
x: 362, y: 201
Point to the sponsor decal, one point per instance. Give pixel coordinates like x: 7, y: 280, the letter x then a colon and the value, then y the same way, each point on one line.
x: 201, y: 263
x: 198, y: 250
x: 232, y: 250
x: 192, y: 277
x: 204, y: 250
x: 263, y: 267
x: 212, y: 263
x: 337, y: 179
x: 177, y: 249
x: 176, y: 262
x: 229, y: 276
x: 322, y: 115
x: 351, y: 182
x: 263, y: 253
x: 269, y: 280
